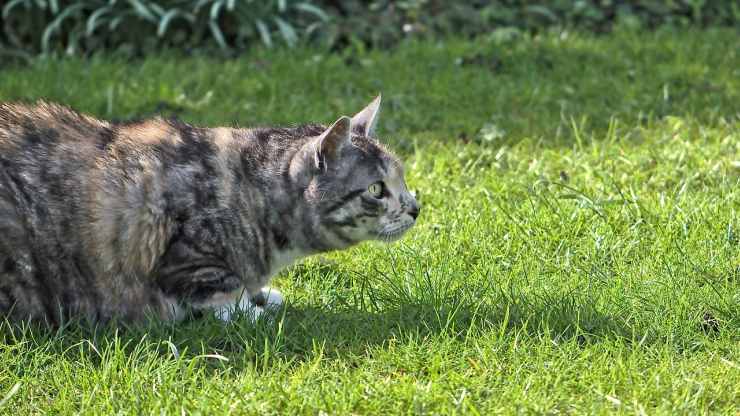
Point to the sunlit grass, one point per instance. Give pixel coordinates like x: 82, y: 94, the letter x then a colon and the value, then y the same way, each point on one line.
x: 578, y: 249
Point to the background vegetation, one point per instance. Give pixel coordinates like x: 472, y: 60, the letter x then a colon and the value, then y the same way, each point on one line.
x: 138, y: 26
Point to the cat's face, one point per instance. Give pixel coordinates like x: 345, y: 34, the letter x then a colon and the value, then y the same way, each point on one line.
x: 366, y: 198
x: 360, y: 191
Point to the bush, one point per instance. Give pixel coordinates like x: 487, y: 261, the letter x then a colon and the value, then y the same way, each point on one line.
x: 30, y: 27
x: 384, y: 22
x: 142, y: 25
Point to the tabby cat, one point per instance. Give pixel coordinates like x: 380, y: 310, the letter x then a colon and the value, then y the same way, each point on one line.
x: 103, y: 220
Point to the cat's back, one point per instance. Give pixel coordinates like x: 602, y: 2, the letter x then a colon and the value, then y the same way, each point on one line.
x: 53, y: 148
x: 38, y: 126
x: 46, y: 151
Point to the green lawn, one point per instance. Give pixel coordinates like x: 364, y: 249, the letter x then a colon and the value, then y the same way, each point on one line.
x: 578, y: 250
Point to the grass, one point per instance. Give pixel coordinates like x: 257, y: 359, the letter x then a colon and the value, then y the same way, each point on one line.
x: 578, y: 250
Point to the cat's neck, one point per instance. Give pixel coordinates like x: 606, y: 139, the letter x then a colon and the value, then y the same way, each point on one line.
x: 267, y: 162
x: 264, y: 165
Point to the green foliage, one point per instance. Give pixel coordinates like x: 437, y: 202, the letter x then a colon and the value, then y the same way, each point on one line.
x: 140, y: 26
x: 578, y: 249
x: 384, y: 22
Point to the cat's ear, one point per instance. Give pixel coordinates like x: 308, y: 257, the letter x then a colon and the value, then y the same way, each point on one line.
x: 364, y: 122
x: 329, y: 144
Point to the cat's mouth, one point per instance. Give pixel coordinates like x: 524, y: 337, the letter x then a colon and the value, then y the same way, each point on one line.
x: 394, y: 233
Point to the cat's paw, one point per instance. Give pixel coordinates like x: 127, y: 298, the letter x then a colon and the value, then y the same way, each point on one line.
x: 244, y: 306
x: 268, y: 301
x: 270, y: 298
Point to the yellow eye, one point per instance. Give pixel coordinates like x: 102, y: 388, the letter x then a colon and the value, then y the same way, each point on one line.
x: 376, y: 189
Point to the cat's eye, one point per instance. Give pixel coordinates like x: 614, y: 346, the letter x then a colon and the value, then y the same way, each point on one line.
x: 376, y: 189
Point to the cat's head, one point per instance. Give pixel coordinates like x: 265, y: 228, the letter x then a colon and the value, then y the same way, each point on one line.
x: 357, y: 186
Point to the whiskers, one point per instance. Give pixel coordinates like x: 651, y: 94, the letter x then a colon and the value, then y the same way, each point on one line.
x: 393, y: 233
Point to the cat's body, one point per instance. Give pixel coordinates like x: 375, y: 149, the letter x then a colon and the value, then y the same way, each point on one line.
x: 101, y: 220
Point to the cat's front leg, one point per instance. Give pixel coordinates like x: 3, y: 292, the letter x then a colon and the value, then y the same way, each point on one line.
x: 268, y: 297
x: 267, y: 300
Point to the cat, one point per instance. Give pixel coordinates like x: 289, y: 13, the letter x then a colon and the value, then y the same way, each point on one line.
x: 151, y: 219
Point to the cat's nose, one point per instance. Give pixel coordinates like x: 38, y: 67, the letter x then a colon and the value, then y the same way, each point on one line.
x: 414, y: 210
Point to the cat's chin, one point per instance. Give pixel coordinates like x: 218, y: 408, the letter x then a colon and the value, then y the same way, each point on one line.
x: 393, y: 234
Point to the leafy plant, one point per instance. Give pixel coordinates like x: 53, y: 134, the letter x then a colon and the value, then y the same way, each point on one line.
x: 84, y: 25
x: 79, y: 26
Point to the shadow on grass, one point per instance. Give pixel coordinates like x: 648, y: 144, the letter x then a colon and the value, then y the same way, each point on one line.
x: 299, y: 334
x: 353, y: 331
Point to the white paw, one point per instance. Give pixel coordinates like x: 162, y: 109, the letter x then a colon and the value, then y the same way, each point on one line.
x: 273, y: 302
x: 274, y: 299
x: 244, y: 306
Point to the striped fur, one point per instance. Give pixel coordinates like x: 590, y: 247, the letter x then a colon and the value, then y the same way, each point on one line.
x: 104, y: 220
